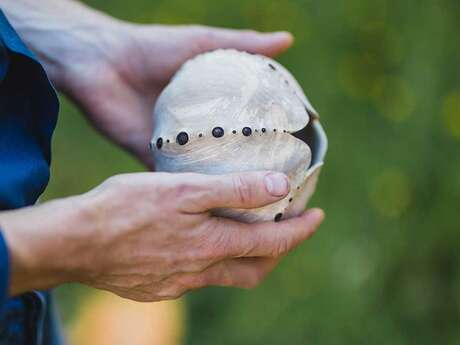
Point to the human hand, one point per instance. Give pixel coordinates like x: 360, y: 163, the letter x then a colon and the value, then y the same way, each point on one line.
x: 118, y: 86
x: 113, y: 70
x: 151, y: 236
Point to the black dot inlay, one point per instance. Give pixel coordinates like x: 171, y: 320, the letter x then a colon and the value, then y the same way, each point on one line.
x: 284, y: 131
x: 247, y: 131
x: 263, y: 130
x: 234, y: 132
x: 274, y: 129
x: 182, y: 138
x: 159, y: 143
x: 218, y: 132
x: 290, y: 199
x: 167, y: 141
x: 298, y: 187
x: 272, y: 67
x: 200, y: 135
x: 278, y: 217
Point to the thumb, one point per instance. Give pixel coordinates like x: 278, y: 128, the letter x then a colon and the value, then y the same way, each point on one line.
x: 237, y: 190
x: 269, y: 44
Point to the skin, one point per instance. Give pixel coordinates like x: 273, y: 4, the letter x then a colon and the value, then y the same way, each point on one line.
x: 143, y: 236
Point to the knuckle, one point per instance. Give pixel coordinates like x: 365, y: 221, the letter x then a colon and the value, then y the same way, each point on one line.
x: 210, y: 36
x: 204, y: 39
x: 120, y: 185
x: 227, y: 280
x: 181, y: 190
x: 215, y: 243
x: 137, y: 295
x: 133, y: 283
x: 208, y: 253
x: 116, y: 181
x: 252, y: 281
x: 211, y: 250
x: 194, y: 281
x: 197, y: 259
x: 184, y: 192
x: 170, y: 293
x: 186, y: 184
x: 282, y: 246
x: 242, y: 190
x: 142, y: 297
x: 225, y: 242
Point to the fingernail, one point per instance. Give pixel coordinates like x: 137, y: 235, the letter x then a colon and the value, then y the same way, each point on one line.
x: 277, y: 184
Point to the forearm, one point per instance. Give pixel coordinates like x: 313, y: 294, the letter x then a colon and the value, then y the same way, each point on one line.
x: 57, y: 31
x: 46, y: 243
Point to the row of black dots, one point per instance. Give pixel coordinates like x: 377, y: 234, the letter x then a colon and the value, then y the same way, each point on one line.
x: 278, y: 217
x: 182, y: 138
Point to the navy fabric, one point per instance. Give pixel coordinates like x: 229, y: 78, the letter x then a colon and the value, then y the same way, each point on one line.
x: 28, y: 113
x: 4, y: 271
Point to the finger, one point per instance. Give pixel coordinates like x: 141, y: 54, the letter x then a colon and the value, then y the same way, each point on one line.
x: 269, y: 44
x: 268, y: 239
x: 241, y: 272
x: 244, y: 273
x: 239, y: 190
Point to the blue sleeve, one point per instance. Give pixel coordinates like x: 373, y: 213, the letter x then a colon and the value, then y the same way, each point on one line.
x: 28, y: 114
x: 4, y: 271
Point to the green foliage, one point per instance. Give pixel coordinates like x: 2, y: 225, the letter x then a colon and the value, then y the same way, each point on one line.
x: 385, y: 267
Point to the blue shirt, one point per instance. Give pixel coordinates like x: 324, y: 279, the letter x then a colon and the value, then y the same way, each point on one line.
x: 28, y: 113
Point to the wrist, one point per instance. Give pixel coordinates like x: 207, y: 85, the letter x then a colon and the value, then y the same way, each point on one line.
x: 44, y: 244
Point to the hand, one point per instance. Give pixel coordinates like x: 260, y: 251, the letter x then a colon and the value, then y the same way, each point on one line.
x: 151, y: 236
x: 118, y: 86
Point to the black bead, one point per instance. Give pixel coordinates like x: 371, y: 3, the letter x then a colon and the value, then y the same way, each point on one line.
x: 278, y: 217
x: 234, y: 132
x: 182, y: 138
x: 272, y: 67
x: 247, y: 131
x: 218, y: 132
x: 290, y: 199
x: 263, y: 130
x: 274, y: 129
x: 200, y: 135
x: 159, y: 143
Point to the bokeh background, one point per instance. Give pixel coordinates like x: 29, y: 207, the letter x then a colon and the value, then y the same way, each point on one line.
x: 385, y: 266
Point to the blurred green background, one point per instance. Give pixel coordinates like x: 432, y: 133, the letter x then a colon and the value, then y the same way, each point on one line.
x: 385, y: 266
